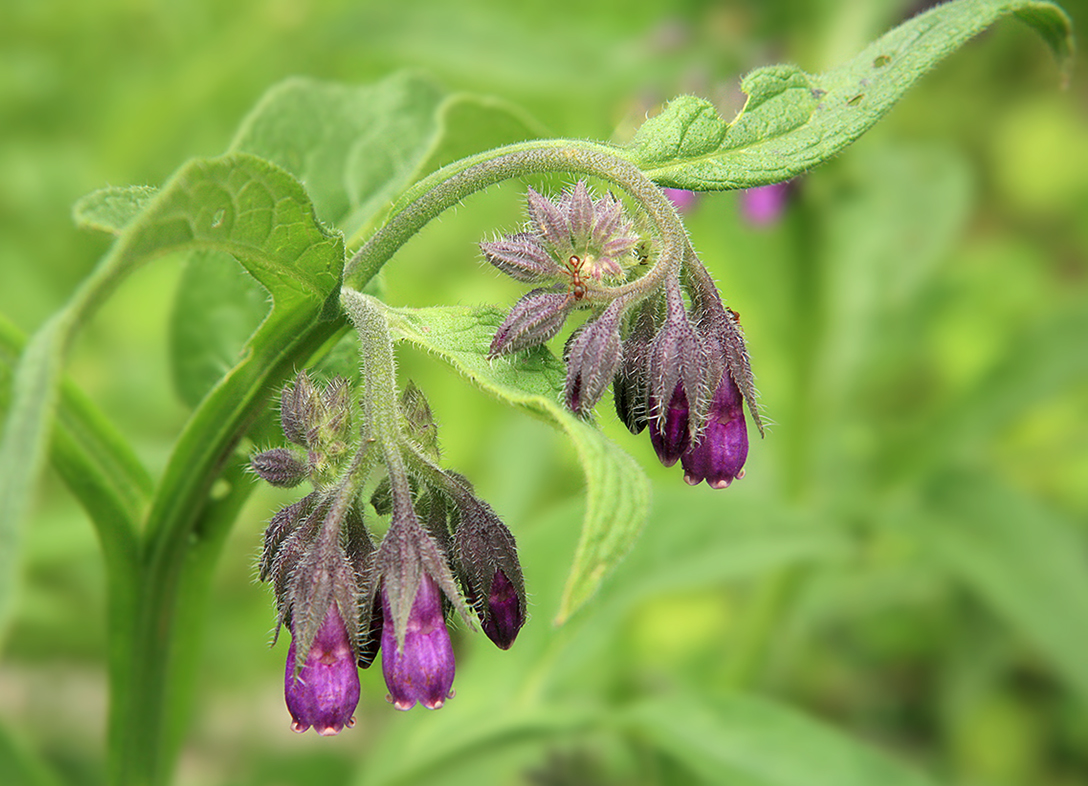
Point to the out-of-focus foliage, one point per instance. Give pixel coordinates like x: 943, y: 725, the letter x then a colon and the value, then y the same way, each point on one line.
x: 905, y: 561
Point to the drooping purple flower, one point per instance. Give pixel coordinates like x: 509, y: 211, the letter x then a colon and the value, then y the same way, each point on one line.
x: 719, y: 455
x: 325, y: 691
x: 670, y: 434
x: 422, y: 670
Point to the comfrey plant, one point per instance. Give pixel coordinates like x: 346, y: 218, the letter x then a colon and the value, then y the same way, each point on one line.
x: 388, y: 547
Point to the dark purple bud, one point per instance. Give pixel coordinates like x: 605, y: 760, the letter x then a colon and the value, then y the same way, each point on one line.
x: 488, y: 558
x: 678, y: 358
x: 521, y: 256
x: 280, y: 467
x: 534, y: 319
x: 593, y: 357
x: 325, y: 691
x: 505, y: 613
x: 422, y: 670
x: 722, y: 327
x: 718, y: 457
x: 298, y: 408
x: 371, y: 641
x: 629, y: 386
x: 671, y: 433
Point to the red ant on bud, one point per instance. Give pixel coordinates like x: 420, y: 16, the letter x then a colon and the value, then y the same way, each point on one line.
x: 577, y: 285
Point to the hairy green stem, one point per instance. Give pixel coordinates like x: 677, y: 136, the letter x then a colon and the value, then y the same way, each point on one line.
x: 380, y: 403
x: 448, y: 186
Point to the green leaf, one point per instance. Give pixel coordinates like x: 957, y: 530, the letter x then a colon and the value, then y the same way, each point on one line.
x: 1024, y: 561
x: 112, y: 209
x: 357, y: 146
x: 237, y: 204
x: 217, y: 307
x: 761, y: 743
x: 794, y: 121
x: 617, y: 490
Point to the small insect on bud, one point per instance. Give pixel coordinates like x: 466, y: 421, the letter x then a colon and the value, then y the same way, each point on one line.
x: 280, y: 467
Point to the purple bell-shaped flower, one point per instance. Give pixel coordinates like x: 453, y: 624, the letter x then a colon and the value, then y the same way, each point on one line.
x: 325, y: 691
x: 422, y: 670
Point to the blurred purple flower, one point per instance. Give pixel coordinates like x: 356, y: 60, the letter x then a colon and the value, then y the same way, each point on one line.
x: 682, y: 200
x: 763, y: 206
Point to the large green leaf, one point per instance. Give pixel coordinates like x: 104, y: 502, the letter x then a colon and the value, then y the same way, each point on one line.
x: 617, y: 490
x: 793, y: 121
x: 237, y: 204
x: 355, y: 147
x: 761, y: 743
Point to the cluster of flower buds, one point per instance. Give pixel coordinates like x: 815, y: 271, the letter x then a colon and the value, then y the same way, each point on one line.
x: 345, y: 600
x: 681, y: 371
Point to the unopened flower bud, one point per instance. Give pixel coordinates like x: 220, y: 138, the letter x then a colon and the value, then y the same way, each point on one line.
x: 283, y: 525
x: 419, y: 419
x: 488, y: 559
x: 522, y: 257
x: 280, y: 467
x: 534, y: 319
x: 298, y: 408
x: 325, y: 691
x: 593, y: 358
x: 629, y: 388
x: 337, y: 402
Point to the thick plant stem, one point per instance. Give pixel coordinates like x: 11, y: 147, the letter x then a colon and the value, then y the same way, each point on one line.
x: 450, y: 185
x: 147, y: 663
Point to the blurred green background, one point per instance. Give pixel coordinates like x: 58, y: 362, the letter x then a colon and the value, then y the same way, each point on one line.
x: 905, y: 561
